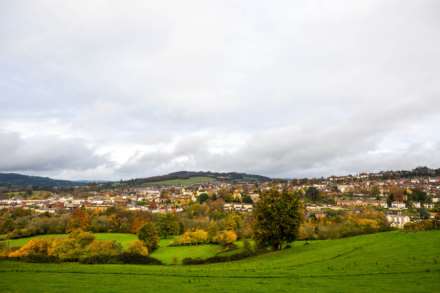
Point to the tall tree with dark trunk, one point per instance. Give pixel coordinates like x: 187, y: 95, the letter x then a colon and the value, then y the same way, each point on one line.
x: 278, y: 216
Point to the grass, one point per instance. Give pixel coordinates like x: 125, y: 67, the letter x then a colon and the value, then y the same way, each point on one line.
x: 383, y: 262
x: 175, y: 254
x: 182, y: 182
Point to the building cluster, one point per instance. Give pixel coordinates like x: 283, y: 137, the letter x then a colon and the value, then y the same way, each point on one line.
x: 335, y: 193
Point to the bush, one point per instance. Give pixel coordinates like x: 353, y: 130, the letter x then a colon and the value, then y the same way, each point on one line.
x: 133, y: 258
x: 40, y: 258
x: 423, y: 225
x: 100, y: 259
x: 217, y: 259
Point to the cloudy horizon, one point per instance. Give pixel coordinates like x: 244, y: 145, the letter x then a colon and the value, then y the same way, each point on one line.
x: 104, y: 90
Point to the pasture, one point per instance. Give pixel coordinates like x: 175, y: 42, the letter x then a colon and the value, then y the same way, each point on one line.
x: 383, y: 262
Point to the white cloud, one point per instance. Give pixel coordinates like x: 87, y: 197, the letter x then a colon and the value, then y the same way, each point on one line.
x: 282, y: 89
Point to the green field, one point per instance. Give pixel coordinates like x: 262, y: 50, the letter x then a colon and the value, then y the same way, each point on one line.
x: 174, y: 255
x: 182, y: 182
x: 384, y: 262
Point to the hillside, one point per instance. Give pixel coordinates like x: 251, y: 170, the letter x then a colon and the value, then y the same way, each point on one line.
x: 383, y: 262
x: 19, y: 180
x: 208, y: 176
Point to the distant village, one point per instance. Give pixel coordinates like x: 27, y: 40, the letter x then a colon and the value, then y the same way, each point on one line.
x: 403, y: 200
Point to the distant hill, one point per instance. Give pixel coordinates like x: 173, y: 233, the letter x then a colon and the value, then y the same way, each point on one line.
x: 197, y: 177
x: 19, y: 180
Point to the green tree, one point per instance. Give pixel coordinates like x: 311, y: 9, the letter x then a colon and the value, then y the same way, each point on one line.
x: 278, y: 216
x: 149, y: 234
x: 419, y: 195
x: 247, y: 199
x: 424, y: 214
x: 203, y: 197
x: 375, y: 191
x: 312, y: 194
x: 168, y: 225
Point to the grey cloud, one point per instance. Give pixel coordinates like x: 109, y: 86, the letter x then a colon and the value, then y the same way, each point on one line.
x: 282, y: 89
x: 46, y: 153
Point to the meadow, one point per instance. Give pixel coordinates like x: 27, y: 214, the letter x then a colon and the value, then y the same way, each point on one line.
x: 384, y: 262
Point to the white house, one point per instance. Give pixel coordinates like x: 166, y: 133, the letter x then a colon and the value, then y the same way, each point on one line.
x: 398, y: 221
x: 398, y: 205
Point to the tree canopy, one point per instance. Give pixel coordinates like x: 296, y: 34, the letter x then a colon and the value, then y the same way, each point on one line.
x: 278, y: 216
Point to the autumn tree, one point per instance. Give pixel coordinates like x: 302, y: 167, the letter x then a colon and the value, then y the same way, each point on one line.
x: 226, y: 238
x: 138, y: 247
x: 104, y: 248
x: 34, y: 247
x: 79, y: 219
x: 278, y: 216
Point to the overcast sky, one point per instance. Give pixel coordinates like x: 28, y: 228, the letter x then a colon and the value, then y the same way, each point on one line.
x: 123, y: 89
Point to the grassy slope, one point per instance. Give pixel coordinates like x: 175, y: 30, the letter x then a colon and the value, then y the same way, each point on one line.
x: 183, y: 182
x: 385, y: 262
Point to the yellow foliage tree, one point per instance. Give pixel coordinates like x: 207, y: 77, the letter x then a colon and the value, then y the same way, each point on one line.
x: 138, y: 247
x: 226, y: 237
x: 33, y: 247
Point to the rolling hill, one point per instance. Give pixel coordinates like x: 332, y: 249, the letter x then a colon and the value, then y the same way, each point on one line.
x: 19, y: 180
x: 201, y: 177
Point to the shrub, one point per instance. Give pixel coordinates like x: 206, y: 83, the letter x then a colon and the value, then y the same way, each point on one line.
x: 100, y: 259
x: 423, y: 225
x: 132, y: 258
x: 217, y: 259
